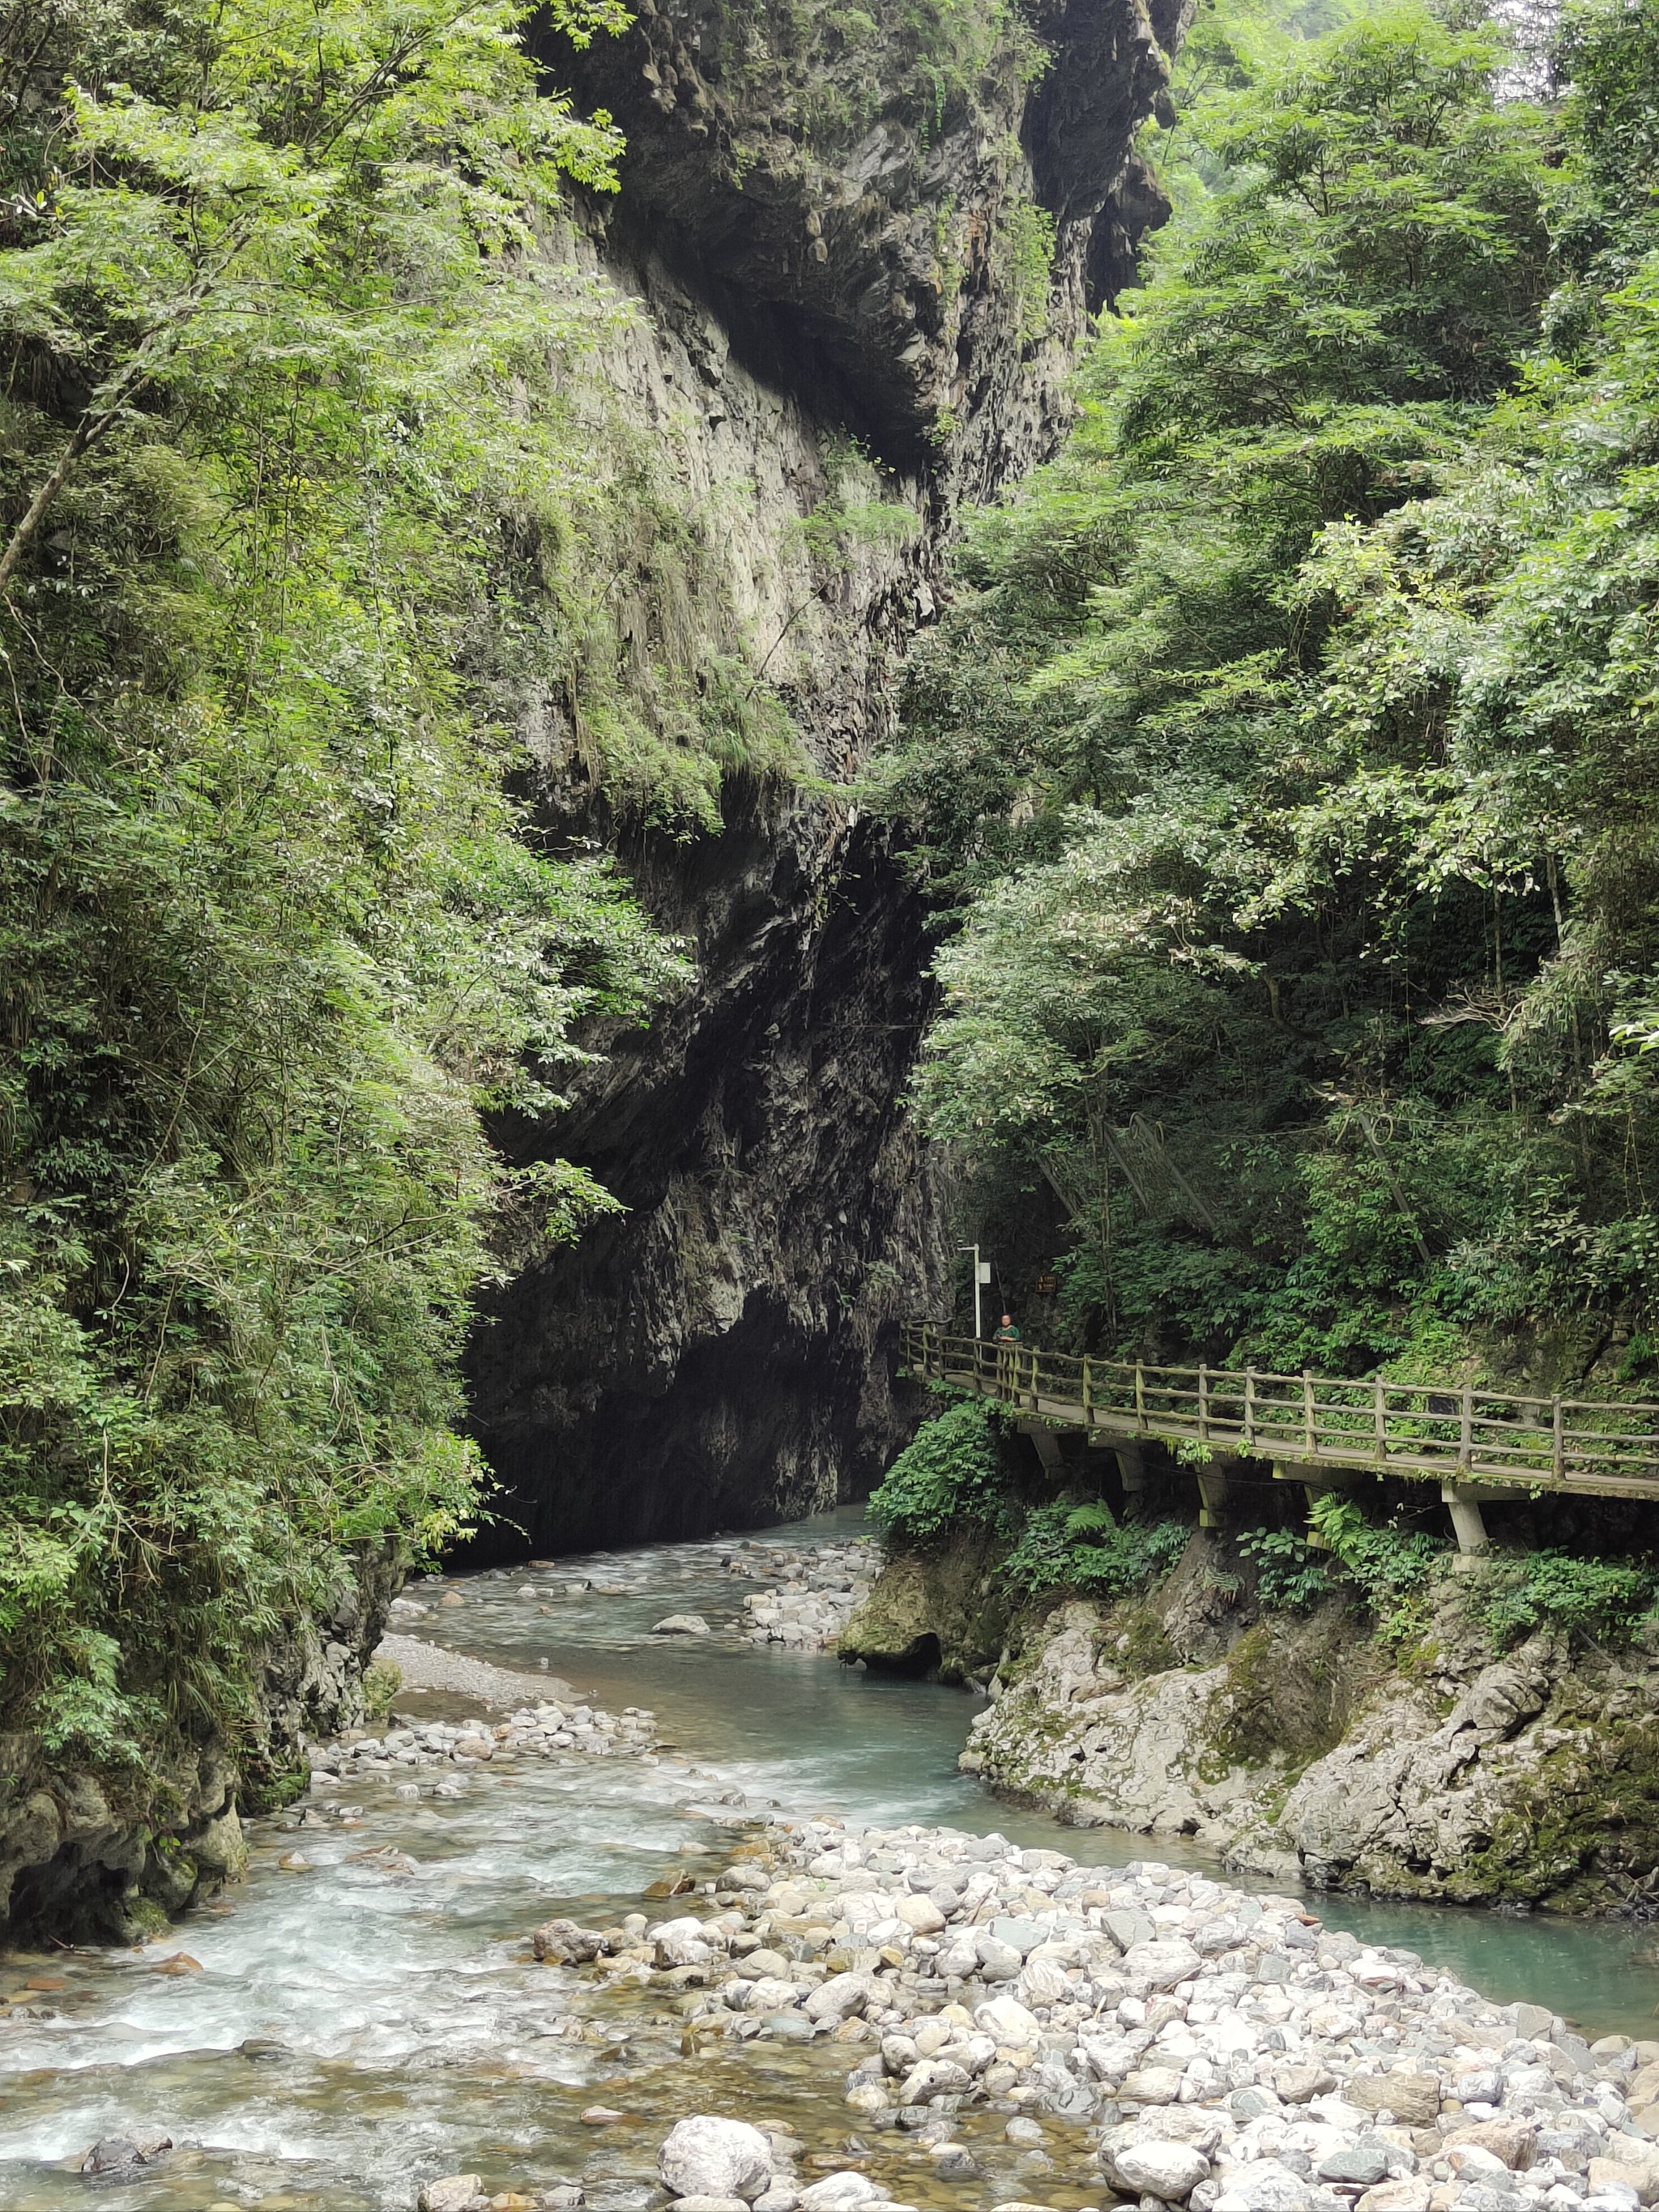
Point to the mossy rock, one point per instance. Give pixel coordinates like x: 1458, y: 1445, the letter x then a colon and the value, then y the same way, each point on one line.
x: 138, y: 1920
x: 268, y: 1785
x: 934, y: 1612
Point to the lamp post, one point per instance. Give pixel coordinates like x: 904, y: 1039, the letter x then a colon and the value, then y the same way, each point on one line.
x: 982, y: 1276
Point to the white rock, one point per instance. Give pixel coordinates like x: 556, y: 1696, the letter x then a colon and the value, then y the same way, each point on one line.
x: 1265, y: 2186
x: 1007, y: 2019
x: 683, y: 1624
x: 1169, y: 2170
x: 456, y: 2192
x: 839, y: 1998
x: 920, y: 1914
x: 839, y: 2192
x: 681, y: 1942
x: 1163, y: 1963
x: 705, y: 2156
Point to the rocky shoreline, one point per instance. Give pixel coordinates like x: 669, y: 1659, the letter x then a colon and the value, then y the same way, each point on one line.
x: 1197, y: 2046
x: 1417, y: 1758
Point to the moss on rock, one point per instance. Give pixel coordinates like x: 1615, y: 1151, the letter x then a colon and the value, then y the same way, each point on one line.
x: 938, y: 1612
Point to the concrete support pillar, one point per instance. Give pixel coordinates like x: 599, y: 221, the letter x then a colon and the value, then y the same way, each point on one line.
x: 1047, y: 1444
x: 1212, y: 1495
x: 1132, y: 1473
x: 1462, y: 1502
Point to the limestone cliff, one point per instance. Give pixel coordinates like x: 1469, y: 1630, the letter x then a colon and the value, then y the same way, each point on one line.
x: 1311, y: 1749
x: 850, y: 261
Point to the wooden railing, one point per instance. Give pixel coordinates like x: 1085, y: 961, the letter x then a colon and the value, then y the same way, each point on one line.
x: 1604, y: 1447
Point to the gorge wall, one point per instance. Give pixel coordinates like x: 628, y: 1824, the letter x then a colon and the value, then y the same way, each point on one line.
x: 851, y: 261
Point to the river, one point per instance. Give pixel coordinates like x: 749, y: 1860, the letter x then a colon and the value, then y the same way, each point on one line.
x: 364, y: 2023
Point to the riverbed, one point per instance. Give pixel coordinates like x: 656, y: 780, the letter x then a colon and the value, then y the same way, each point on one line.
x: 352, y: 2026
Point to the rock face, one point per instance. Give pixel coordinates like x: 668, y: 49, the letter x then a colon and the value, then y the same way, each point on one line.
x: 1309, y: 1750
x: 937, y: 1611
x: 73, y: 1861
x: 842, y: 322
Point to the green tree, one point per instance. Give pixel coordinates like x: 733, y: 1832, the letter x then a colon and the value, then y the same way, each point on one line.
x: 281, y: 347
x: 1204, y: 792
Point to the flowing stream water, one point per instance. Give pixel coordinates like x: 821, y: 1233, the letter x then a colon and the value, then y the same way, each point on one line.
x: 376, y: 2018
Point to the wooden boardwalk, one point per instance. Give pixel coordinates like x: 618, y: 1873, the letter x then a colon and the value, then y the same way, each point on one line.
x: 1475, y: 1443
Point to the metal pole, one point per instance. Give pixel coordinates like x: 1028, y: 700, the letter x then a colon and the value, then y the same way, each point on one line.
x: 978, y: 1319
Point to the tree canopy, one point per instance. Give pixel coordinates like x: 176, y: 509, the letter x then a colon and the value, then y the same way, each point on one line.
x: 1285, y: 764
x: 282, y: 359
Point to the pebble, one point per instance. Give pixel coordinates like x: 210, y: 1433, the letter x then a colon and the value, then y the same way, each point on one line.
x: 1225, y: 2052
x: 544, y: 1731
x: 824, y: 1585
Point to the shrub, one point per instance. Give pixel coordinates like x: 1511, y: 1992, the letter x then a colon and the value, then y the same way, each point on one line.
x: 1289, y: 1577
x: 948, y: 1476
x: 1082, y: 1548
x: 1594, y: 1598
x: 1391, y: 1565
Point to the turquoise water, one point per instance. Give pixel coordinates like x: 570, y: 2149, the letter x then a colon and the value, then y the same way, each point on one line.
x: 362, y: 2024
x: 813, y: 1736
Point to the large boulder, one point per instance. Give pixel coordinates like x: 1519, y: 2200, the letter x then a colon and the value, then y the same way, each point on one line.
x: 1170, y: 2171
x: 705, y: 2156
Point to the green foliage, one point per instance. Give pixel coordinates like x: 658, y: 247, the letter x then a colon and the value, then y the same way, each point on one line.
x: 1084, y: 1548
x: 1025, y: 238
x: 950, y: 1476
x: 1289, y: 1577
x: 1390, y: 1566
x: 1283, y: 771
x: 1598, y: 1598
x: 274, y: 940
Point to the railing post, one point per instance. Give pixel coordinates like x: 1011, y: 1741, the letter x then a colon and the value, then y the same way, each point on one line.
x: 1249, y: 1406
x: 1088, y: 1393
x: 1308, y: 1432
x: 1558, y: 1442
x: 1466, y: 1437
x: 1203, y: 1403
x: 1381, y: 1420
x: 1036, y: 1387
x: 1140, y: 1397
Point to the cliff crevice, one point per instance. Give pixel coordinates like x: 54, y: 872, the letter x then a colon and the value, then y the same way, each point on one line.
x: 853, y: 267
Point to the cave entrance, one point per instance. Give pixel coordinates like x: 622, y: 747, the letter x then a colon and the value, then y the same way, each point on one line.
x: 919, y: 1662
